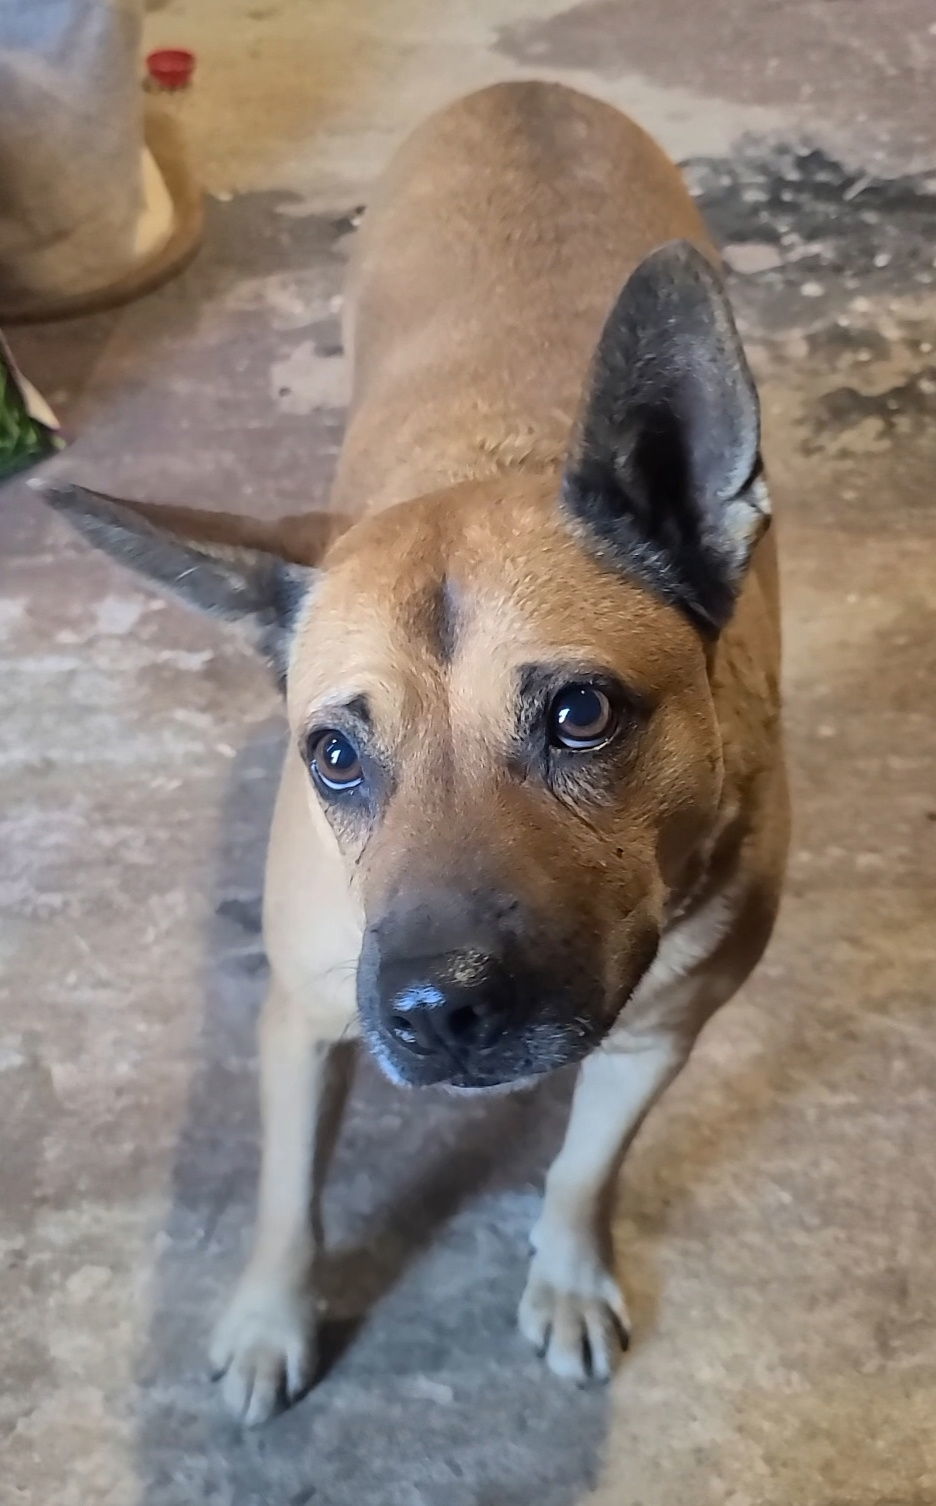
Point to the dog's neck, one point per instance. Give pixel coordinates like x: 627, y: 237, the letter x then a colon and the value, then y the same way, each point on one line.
x: 434, y: 447
x: 521, y: 450
x: 482, y: 457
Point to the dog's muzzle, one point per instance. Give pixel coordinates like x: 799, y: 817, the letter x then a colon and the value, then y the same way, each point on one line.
x: 487, y: 1009
x: 445, y: 1018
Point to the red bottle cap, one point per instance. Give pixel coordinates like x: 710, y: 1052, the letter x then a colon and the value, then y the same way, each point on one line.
x: 171, y: 67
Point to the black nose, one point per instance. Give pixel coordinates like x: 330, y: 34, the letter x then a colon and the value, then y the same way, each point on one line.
x: 450, y: 1005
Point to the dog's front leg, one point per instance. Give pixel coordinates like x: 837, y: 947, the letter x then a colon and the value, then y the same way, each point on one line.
x: 264, y: 1345
x: 572, y: 1309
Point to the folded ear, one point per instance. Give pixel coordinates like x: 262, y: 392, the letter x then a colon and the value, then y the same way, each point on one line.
x: 664, y: 468
x: 228, y: 566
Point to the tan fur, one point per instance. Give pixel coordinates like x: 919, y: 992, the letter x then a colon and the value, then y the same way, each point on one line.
x: 491, y: 252
x: 486, y: 265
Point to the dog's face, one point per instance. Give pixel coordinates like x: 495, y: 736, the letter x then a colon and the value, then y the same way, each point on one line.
x: 501, y: 694
x: 515, y: 750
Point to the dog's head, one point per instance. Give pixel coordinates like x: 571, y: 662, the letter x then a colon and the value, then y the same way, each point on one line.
x: 502, y: 696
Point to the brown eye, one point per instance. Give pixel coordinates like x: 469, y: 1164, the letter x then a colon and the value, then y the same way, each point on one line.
x: 580, y: 717
x: 335, y: 762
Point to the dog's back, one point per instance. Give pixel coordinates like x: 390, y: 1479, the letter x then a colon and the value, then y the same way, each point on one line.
x: 485, y: 267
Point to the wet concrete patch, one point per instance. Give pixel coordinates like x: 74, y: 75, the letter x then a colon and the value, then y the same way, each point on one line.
x: 793, y: 219
x: 831, y: 272
x: 890, y: 411
x: 862, y: 390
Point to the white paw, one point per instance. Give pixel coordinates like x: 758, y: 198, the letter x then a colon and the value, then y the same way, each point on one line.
x: 264, y: 1348
x: 573, y: 1313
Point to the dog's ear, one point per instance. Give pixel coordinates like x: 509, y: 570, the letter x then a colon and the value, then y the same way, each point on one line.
x: 231, y: 567
x: 664, y: 467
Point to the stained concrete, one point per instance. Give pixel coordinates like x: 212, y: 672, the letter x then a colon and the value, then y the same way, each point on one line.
x: 778, y: 1214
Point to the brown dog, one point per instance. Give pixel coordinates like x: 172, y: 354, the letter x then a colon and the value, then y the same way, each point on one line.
x: 533, y: 810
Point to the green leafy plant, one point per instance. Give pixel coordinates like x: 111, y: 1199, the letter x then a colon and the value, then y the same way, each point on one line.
x: 23, y: 440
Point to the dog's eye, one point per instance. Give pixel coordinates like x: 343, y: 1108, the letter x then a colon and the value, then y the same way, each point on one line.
x: 335, y: 761
x: 580, y: 717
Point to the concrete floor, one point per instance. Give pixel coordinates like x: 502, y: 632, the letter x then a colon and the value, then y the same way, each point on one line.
x: 778, y: 1216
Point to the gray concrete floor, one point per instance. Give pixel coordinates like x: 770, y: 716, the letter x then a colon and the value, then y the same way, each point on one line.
x: 778, y: 1215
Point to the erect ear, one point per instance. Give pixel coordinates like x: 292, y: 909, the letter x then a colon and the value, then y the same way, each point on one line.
x: 233, y: 568
x: 664, y: 468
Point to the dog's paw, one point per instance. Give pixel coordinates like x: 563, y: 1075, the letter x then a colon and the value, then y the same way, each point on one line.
x: 263, y: 1349
x: 573, y: 1313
